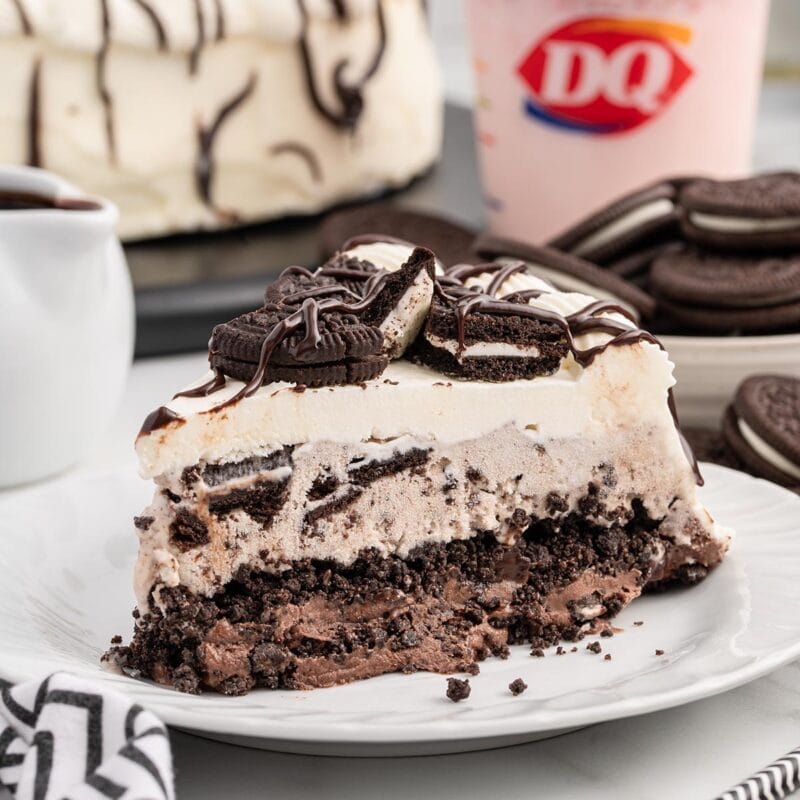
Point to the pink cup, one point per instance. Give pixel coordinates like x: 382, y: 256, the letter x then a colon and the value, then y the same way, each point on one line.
x: 580, y: 101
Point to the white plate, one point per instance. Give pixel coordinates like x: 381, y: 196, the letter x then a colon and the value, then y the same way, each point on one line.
x: 66, y: 555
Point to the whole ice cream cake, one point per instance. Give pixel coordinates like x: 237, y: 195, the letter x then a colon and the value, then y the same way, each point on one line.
x: 395, y: 468
x: 208, y: 113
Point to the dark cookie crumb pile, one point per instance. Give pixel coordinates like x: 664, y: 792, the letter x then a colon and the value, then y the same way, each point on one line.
x: 517, y: 686
x: 458, y: 690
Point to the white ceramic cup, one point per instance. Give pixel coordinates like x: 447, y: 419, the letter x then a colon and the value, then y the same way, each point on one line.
x: 66, y: 325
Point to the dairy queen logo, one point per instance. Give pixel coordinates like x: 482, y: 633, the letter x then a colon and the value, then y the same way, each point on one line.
x: 605, y: 75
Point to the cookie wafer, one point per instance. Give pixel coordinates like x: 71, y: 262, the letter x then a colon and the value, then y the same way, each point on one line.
x: 638, y: 263
x: 758, y: 213
x: 568, y: 272
x: 630, y: 221
x: 716, y: 281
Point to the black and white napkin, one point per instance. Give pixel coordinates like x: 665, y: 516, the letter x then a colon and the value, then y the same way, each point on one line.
x: 776, y: 781
x: 67, y: 737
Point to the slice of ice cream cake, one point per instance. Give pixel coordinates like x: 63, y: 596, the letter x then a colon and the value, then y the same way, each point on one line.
x: 392, y: 468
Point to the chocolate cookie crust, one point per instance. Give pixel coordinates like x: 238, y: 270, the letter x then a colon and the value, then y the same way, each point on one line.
x: 441, y: 609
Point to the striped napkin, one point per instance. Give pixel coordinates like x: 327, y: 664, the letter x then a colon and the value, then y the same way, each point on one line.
x: 67, y: 737
x: 780, y: 779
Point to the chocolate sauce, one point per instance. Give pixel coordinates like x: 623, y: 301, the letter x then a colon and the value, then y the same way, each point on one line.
x: 158, y: 419
x: 206, y: 136
x: 200, y: 38
x: 350, y: 96
x: 155, y: 21
x: 102, y: 87
x: 28, y: 201
x: 305, y: 153
x: 34, y: 157
x: 205, y: 389
x: 24, y: 20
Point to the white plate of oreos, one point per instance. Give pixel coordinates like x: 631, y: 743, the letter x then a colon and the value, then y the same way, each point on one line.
x: 66, y: 560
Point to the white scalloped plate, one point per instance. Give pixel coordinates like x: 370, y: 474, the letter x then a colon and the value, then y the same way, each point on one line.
x: 66, y: 556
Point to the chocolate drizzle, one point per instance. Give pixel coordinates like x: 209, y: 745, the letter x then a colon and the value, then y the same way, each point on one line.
x: 102, y: 87
x: 219, y: 21
x: 24, y: 20
x: 34, y: 157
x: 200, y: 38
x: 158, y: 419
x: 158, y: 25
x: 350, y: 96
x: 303, y: 152
x: 206, y: 136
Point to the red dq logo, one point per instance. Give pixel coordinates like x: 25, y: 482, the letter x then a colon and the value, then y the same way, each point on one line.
x: 605, y: 75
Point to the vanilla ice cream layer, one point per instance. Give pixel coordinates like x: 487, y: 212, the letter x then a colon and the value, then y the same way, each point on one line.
x: 215, y: 112
x: 465, y: 484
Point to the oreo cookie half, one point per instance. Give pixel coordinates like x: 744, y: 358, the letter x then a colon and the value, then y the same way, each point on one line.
x: 758, y: 213
x: 569, y: 273
x: 450, y: 241
x: 399, y: 309
x: 644, y: 216
x: 481, y: 325
x: 762, y: 427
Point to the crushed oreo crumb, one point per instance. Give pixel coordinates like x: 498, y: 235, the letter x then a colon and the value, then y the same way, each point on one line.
x: 659, y: 652
x: 607, y: 657
x: 594, y: 647
x: 458, y: 690
x: 638, y: 623
x: 606, y: 633
x: 517, y: 686
x: 537, y: 652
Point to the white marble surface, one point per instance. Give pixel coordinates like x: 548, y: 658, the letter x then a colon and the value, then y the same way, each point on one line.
x: 690, y: 752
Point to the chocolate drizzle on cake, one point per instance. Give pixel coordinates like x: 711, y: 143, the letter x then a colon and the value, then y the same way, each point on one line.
x: 305, y: 153
x: 34, y: 157
x: 24, y: 20
x: 155, y: 21
x: 206, y: 138
x: 350, y: 96
x: 220, y: 25
x: 102, y: 86
x: 200, y: 38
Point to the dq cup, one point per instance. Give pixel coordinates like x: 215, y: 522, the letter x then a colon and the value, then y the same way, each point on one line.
x: 580, y: 101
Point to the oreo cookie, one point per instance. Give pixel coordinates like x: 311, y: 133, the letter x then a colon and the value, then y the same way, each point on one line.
x: 569, y: 272
x: 340, y: 324
x: 762, y: 427
x: 450, y: 241
x: 635, y: 266
x: 726, y: 294
x: 489, y: 346
x: 645, y: 216
x: 758, y: 213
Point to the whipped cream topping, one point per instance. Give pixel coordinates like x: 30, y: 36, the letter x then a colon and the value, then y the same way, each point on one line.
x: 623, y: 385
x: 767, y: 451
x: 623, y: 225
x: 730, y: 224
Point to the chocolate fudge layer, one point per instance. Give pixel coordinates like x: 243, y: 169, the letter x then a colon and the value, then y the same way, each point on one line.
x: 524, y: 490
